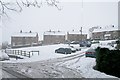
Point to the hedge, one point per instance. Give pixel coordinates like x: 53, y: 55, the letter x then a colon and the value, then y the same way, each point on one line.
x: 108, y: 61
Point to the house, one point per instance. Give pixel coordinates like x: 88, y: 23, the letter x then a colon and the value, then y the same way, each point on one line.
x: 109, y: 33
x: 53, y: 37
x: 76, y: 36
x: 24, y: 39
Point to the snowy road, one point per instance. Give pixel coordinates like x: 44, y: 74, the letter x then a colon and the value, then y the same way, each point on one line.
x: 51, y: 68
x: 8, y: 73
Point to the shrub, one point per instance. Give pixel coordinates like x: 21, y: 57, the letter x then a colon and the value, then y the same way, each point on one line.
x: 108, y: 61
x: 118, y: 44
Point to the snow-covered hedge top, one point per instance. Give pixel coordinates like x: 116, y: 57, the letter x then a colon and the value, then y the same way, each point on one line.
x: 25, y: 34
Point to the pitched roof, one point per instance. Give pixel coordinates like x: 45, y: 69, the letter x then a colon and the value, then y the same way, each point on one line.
x: 25, y: 34
x: 54, y: 33
x: 76, y: 32
x: 109, y: 28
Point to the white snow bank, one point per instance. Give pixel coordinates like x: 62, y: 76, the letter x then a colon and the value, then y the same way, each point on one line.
x: 84, y: 65
x: 3, y: 56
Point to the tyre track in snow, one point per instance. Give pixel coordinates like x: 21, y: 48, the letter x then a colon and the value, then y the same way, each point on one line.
x: 68, y: 72
x: 14, y: 74
x: 51, y: 68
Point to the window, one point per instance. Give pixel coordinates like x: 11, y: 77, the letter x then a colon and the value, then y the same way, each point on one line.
x: 107, y: 32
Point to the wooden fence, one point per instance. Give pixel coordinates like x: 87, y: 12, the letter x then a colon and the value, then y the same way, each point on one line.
x: 20, y: 52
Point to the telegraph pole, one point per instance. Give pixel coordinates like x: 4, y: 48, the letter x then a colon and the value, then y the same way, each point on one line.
x: 81, y: 33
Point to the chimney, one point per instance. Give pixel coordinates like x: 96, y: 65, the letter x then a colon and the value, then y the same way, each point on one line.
x: 20, y: 31
x: 50, y: 30
x: 30, y: 31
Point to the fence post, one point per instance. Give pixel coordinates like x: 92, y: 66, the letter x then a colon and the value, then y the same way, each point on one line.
x: 24, y: 53
x: 18, y: 52
x: 29, y: 54
x: 38, y: 52
x: 32, y: 52
x: 16, y: 57
x: 5, y: 50
x: 13, y: 51
x: 21, y: 52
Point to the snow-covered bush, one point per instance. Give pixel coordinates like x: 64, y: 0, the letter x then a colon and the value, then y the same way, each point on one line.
x: 3, y: 56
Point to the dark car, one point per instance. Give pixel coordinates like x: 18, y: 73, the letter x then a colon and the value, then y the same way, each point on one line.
x: 85, y: 44
x: 63, y: 50
x: 90, y: 53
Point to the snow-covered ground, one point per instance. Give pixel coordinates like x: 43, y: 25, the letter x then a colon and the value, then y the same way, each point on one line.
x: 85, y: 67
x: 3, y: 56
x: 46, y: 52
x: 82, y: 65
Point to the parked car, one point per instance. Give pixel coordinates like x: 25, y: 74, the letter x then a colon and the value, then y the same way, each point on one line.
x: 85, y: 44
x: 90, y: 53
x: 63, y: 50
x: 73, y: 50
x: 76, y: 48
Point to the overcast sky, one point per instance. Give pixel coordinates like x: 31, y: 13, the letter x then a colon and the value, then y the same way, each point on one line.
x: 72, y: 16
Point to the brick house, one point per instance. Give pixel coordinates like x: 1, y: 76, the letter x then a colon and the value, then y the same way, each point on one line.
x: 53, y: 37
x: 76, y: 36
x: 24, y: 39
x: 106, y: 33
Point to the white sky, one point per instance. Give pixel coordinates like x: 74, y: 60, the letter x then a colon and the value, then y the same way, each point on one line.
x: 72, y: 16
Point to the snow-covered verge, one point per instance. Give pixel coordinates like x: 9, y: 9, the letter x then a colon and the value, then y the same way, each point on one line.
x: 85, y: 66
x: 46, y: 52
x: 3, y: 56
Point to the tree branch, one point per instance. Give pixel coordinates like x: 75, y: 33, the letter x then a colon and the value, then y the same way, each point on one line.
x: 5, y: 7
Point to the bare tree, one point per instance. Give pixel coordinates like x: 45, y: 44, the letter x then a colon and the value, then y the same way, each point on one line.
x: 17, y: 6
x: 4, y: 45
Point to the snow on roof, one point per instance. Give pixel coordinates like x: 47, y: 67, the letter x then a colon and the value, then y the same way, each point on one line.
x: 54, y: 33
x: 109, y: 28
x: 76, y: 32
x: 25, y: 34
